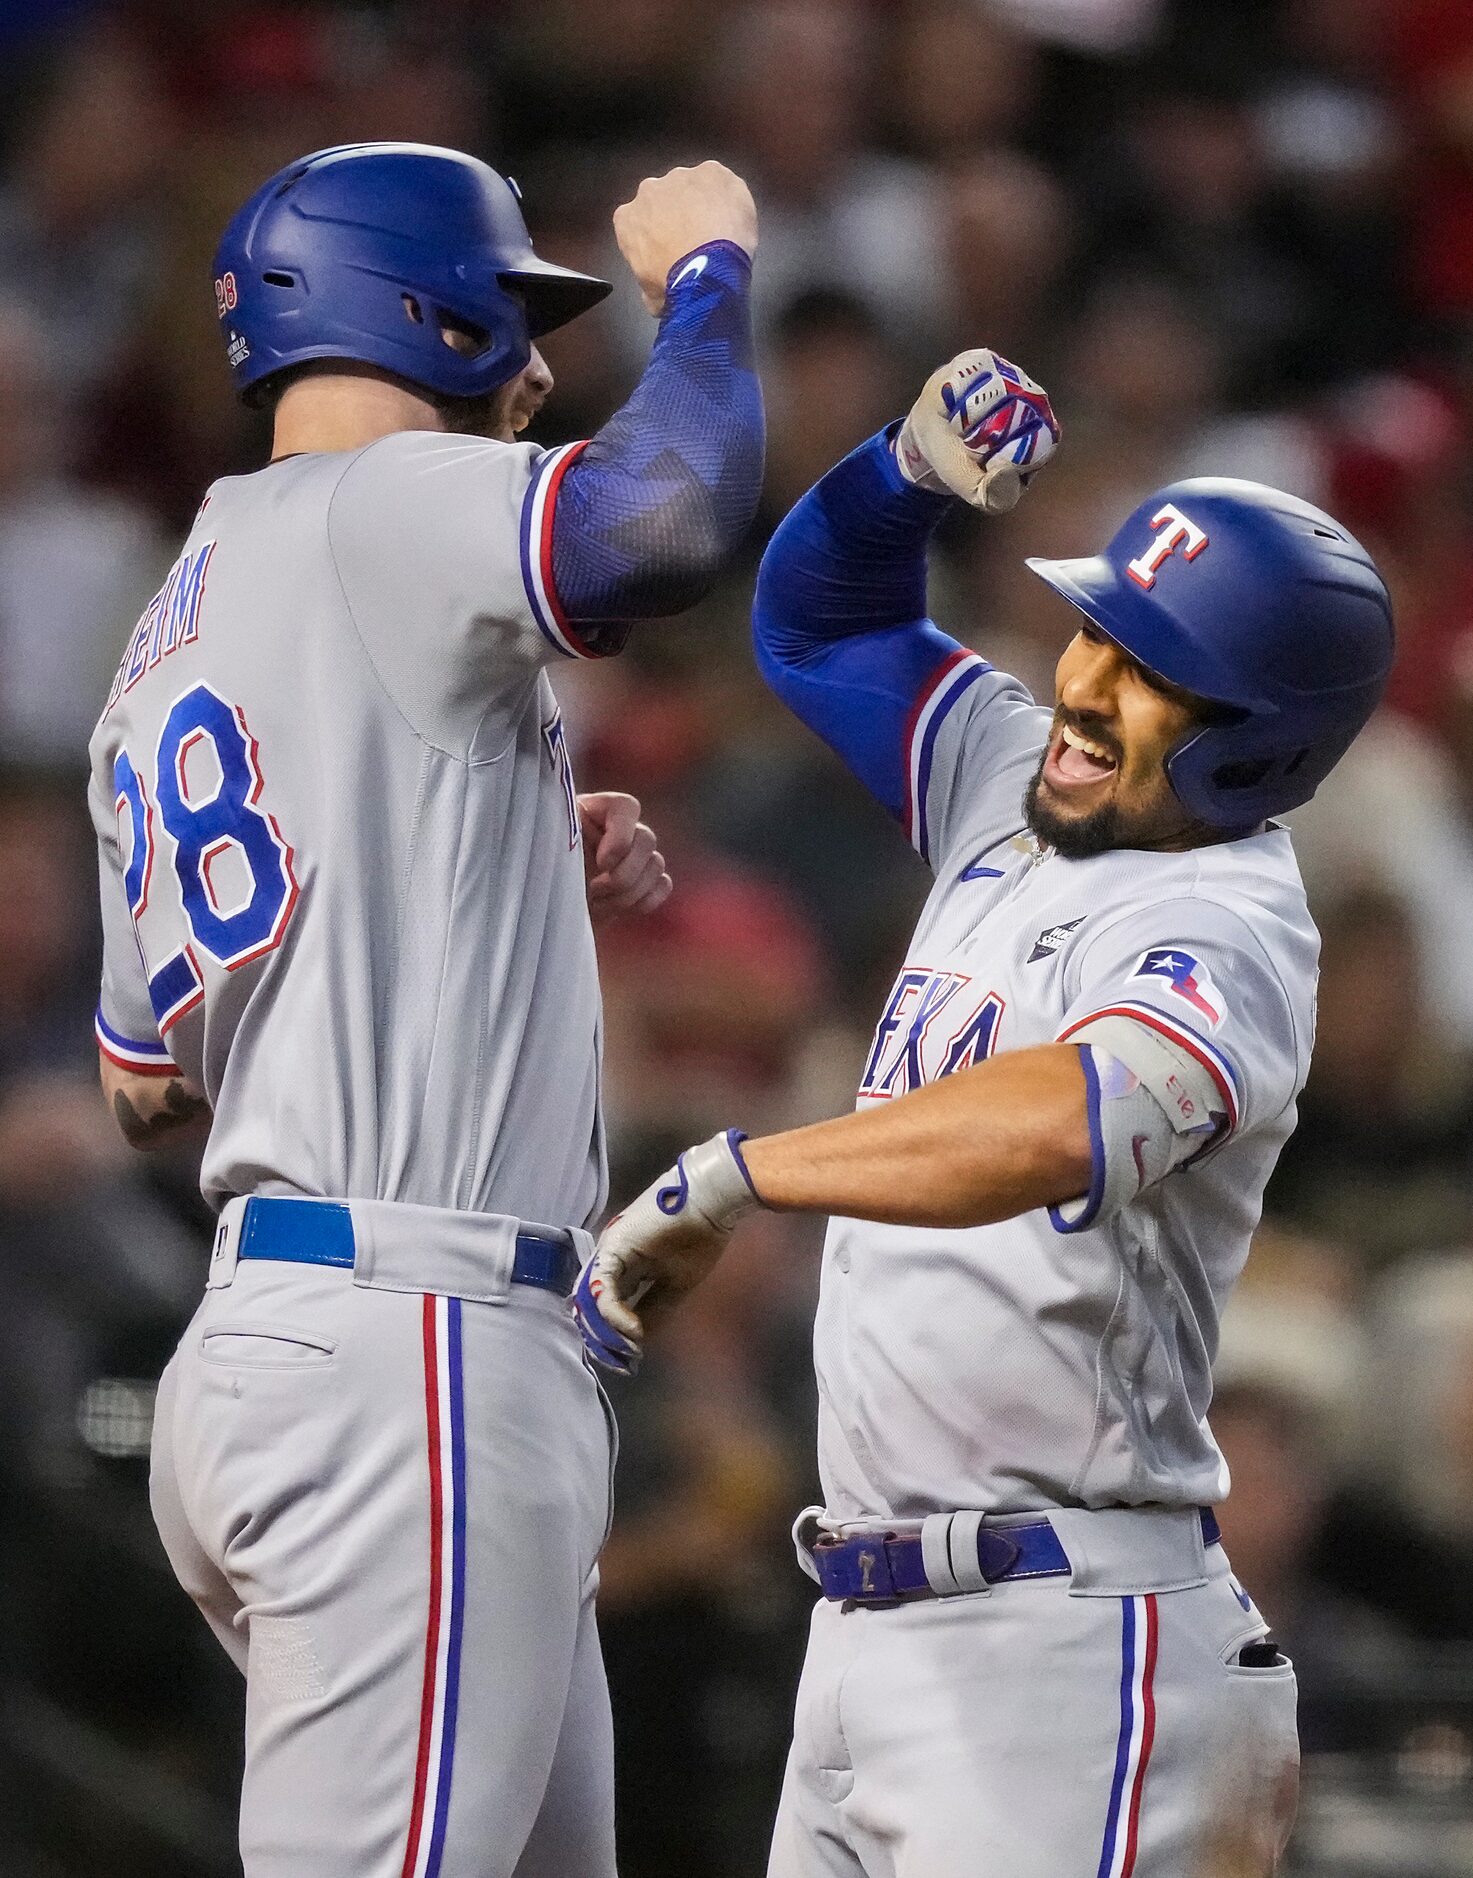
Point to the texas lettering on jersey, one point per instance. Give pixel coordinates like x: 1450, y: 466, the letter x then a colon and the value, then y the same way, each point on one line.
x: 915, y: 1043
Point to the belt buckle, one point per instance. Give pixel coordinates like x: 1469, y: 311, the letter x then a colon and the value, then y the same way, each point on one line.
x: 856, y: 1569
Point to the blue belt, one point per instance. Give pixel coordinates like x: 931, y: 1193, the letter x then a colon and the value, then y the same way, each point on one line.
x: 881, y: 1567
x: 320, y: 1232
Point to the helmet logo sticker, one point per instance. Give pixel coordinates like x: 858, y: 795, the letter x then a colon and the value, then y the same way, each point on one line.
x: 1186, y: 977
x: 1174, y: 530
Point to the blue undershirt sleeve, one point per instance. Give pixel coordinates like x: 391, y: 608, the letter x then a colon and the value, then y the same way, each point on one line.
x: 840, y: 619
x: 651, y: 509
x: 933, y: 732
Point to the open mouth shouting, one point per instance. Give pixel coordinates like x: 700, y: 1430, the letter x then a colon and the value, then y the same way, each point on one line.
x: 1076, y: 762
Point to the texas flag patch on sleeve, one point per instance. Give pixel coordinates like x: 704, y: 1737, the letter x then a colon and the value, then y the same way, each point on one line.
x: 1184, y: 975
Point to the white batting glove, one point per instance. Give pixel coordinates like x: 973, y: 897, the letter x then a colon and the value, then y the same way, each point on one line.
x: 661, y: 1246
x: 981, y: 429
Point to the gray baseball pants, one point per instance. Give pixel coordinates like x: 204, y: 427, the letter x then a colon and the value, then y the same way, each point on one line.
x: 1025, y: 1732
x: 389, y: 1505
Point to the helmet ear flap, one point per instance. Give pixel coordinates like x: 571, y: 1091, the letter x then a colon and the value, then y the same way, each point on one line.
x: 1236, y: 775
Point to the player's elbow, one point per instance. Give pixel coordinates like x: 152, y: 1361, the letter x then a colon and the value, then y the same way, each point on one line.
x: 695, y: 542
x: 691, y: 564
x: 784, y: 605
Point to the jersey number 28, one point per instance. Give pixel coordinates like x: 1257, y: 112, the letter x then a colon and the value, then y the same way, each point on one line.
x: 206, y: 817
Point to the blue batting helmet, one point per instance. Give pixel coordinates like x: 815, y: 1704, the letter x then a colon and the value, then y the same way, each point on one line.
x: 375, y: 252
x: 1260, y: 604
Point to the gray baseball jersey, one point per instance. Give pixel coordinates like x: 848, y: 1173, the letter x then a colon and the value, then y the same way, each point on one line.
x: 1025, y: 1365
x: 342, y: 883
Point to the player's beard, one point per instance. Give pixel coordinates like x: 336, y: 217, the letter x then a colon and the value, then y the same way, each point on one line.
x: 1080, y: 837
x: 1076, y: 837
x: 486, y: 416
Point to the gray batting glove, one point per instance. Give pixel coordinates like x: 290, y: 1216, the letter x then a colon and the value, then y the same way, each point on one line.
x: 981, y: 429
x: 660, y: 1247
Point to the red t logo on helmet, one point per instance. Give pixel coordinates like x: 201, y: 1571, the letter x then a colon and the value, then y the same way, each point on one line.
x: 1182, y: 532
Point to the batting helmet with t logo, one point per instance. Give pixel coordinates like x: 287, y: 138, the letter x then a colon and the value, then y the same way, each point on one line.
x: 1261, y: 605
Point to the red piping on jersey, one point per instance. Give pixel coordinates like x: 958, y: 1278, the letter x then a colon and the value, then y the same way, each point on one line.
x: 432, y: 1626
x: 138, y: 1069
x: 544, y: 550
x: 1148, y: 1736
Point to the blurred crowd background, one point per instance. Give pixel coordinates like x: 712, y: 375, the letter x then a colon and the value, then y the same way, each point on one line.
x: 1229, y: 235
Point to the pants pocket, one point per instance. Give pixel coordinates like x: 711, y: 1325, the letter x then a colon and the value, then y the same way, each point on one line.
x: 611, y: 1422
x: 266, y: 1346
x: 1255, y: 1656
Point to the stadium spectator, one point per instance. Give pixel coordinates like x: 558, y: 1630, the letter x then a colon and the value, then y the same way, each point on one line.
x: 837, y: 212
x: 78, y: 228
x: 75, y: 566
x: 1380, y: 1160
x: 1433, y: 42
x: 1271, y: 1522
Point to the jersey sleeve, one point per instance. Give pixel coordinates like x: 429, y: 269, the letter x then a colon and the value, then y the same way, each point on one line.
x: 127, y: 1033
x: 442, y: 548
x: 942, y: 740
x: 972, y: 740
x: 1193, y: 972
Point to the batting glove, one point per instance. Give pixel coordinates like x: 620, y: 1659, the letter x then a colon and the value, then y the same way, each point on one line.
x: 661, y: 1246
x: 981, y: 430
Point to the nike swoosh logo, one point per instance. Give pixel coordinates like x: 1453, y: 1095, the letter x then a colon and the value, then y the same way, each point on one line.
x: 693, y: 270
x: 981, y: 873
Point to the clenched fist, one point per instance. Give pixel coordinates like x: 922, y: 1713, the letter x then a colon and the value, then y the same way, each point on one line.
x: 621, y: 857
x: 680, y: 211
x: 981, y: 429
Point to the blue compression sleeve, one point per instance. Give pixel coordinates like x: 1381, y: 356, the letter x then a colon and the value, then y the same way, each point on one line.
x: 649, y: 511
x: 840, y: 620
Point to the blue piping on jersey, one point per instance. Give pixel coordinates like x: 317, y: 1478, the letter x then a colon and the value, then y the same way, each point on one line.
x: 1096, y: 1193
x: 921, y: 834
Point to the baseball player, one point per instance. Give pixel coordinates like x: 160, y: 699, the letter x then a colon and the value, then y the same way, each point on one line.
x: 347, y: 920
x: 1030, y: 1656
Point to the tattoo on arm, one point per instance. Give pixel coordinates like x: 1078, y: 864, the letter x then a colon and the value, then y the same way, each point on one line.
x: 177, y: 1108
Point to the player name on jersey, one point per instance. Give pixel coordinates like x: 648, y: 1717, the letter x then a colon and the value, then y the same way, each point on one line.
x: 170, y: 620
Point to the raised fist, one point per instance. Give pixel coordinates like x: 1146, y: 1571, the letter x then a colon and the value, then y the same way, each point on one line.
x: 981, y: 430
x: 675, y: 213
